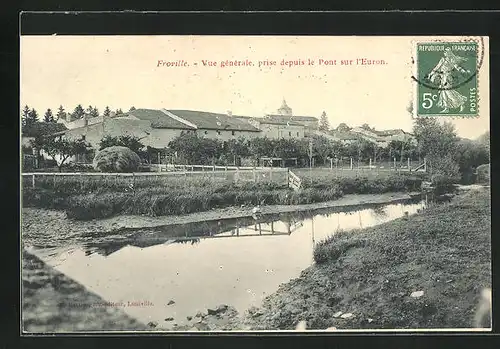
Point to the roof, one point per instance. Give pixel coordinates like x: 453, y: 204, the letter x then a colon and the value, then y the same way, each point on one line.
x: 389, y: 132
x: 214, y: 121
x: 344, y: 135
x: 42, y: 128
x: 293, y: 117
x: 267, y: 121
x: 157, y: 118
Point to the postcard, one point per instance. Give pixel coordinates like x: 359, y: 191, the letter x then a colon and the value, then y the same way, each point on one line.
x: 180, y: 184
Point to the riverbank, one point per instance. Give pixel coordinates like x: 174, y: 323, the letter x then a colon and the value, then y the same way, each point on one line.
x: 51, y: 228
x: 421, y: 272
x: 52, y: 302
x: 92, y: 199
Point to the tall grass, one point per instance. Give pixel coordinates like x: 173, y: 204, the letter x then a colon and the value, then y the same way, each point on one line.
x: 94, y: 197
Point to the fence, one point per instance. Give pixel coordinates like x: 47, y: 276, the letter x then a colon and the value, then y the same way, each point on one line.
x: 202, y: 168
x: 274, y: 175
x: 294, y: 181
x: 395, y: 165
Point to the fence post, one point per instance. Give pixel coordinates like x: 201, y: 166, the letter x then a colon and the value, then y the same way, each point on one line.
x: 54, y: 180
x: 370, y: 164
x: 133, y: 179
x: 351, y: 164
x: 254, y: 175
x: 33, y: 181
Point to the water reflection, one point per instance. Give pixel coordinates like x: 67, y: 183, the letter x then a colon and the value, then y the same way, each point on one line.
x: 199, y: 265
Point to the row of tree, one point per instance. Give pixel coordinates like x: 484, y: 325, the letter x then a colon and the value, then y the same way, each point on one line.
x: 29, y: 116
x: 194, y: 149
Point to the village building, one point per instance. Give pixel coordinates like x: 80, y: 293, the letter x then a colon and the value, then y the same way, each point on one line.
x: 274, y: 129
x: 156, y: 128
x: 344, y: 137
x: 285, y: 114
x: 383, y: 138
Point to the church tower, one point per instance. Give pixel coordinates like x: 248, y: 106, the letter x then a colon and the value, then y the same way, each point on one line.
x: 285, y: 110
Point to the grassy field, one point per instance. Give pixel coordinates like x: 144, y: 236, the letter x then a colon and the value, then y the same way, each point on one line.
x: 89, y: 198
x: 444, y: 252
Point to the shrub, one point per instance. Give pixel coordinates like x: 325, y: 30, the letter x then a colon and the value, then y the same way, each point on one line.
x: 335, y: 246
x: 443, y: 183
x: 116, y: 159
x: 483, y: 173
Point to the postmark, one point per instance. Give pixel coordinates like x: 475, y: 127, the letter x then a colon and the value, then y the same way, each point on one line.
x: 446, y: 77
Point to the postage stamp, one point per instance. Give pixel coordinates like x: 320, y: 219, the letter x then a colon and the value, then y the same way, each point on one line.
x: 447, y: 79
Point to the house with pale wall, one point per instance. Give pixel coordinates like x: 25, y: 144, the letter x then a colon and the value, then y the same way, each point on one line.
x: 285, y: 114
x: 156, y: 128
x: 278, y: 129
x: 383, y: 138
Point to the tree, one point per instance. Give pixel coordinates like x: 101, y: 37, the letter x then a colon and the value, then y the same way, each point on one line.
x: 261, y: 147
x: 324, y: 124
x: 438, y: 143
x: 107, y: 112
x: 61, y: 150
x: 132, y: 108
x: 32, y: 118
x: 48, y: 117
x: 366, y: 127
x: 61, y: 114
x: 78, y: 113
x: 196, y: 150
x: 323, y: 147
x: 119, y: 111
x: 131, y: 142
x: 25, y: 118
x: 342, y: 127
x: 236, y: 148
x: 92, y: 111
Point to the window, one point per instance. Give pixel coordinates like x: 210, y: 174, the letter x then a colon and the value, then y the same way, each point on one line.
x: 206, y: 132
x: 290, y: 134
x: 297, y: 134
x: 218, y: 132
x: 233, y: 133
x: 83, y: 137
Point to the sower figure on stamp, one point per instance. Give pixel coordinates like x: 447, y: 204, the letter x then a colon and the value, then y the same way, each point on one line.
x: 442, y: 75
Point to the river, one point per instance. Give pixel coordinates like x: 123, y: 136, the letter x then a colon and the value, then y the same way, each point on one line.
x: 175, y: 271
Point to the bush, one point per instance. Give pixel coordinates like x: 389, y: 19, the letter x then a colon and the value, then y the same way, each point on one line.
x: 335, y: 246
x: 483, y: 173
x: 116, y: 159
x: 443, y: 184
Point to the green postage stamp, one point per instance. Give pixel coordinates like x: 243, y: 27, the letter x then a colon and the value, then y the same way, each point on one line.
x: 446, y: 78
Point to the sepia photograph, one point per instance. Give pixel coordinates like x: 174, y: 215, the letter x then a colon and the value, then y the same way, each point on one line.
x: 254, y: 183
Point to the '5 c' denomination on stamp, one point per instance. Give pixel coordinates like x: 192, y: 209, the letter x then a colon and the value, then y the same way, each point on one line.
x: 446, y: 77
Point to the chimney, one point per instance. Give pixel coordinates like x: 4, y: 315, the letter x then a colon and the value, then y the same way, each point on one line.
x: 230, y: 113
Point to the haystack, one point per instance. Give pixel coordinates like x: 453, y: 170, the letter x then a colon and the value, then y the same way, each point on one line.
x: 116, y: 159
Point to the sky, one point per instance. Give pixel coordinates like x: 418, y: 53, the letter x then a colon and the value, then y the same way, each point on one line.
x: 123, y: 71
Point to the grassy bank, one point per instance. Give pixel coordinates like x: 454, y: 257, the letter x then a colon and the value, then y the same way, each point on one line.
x: 443, y: 251
x: 91, y: 199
